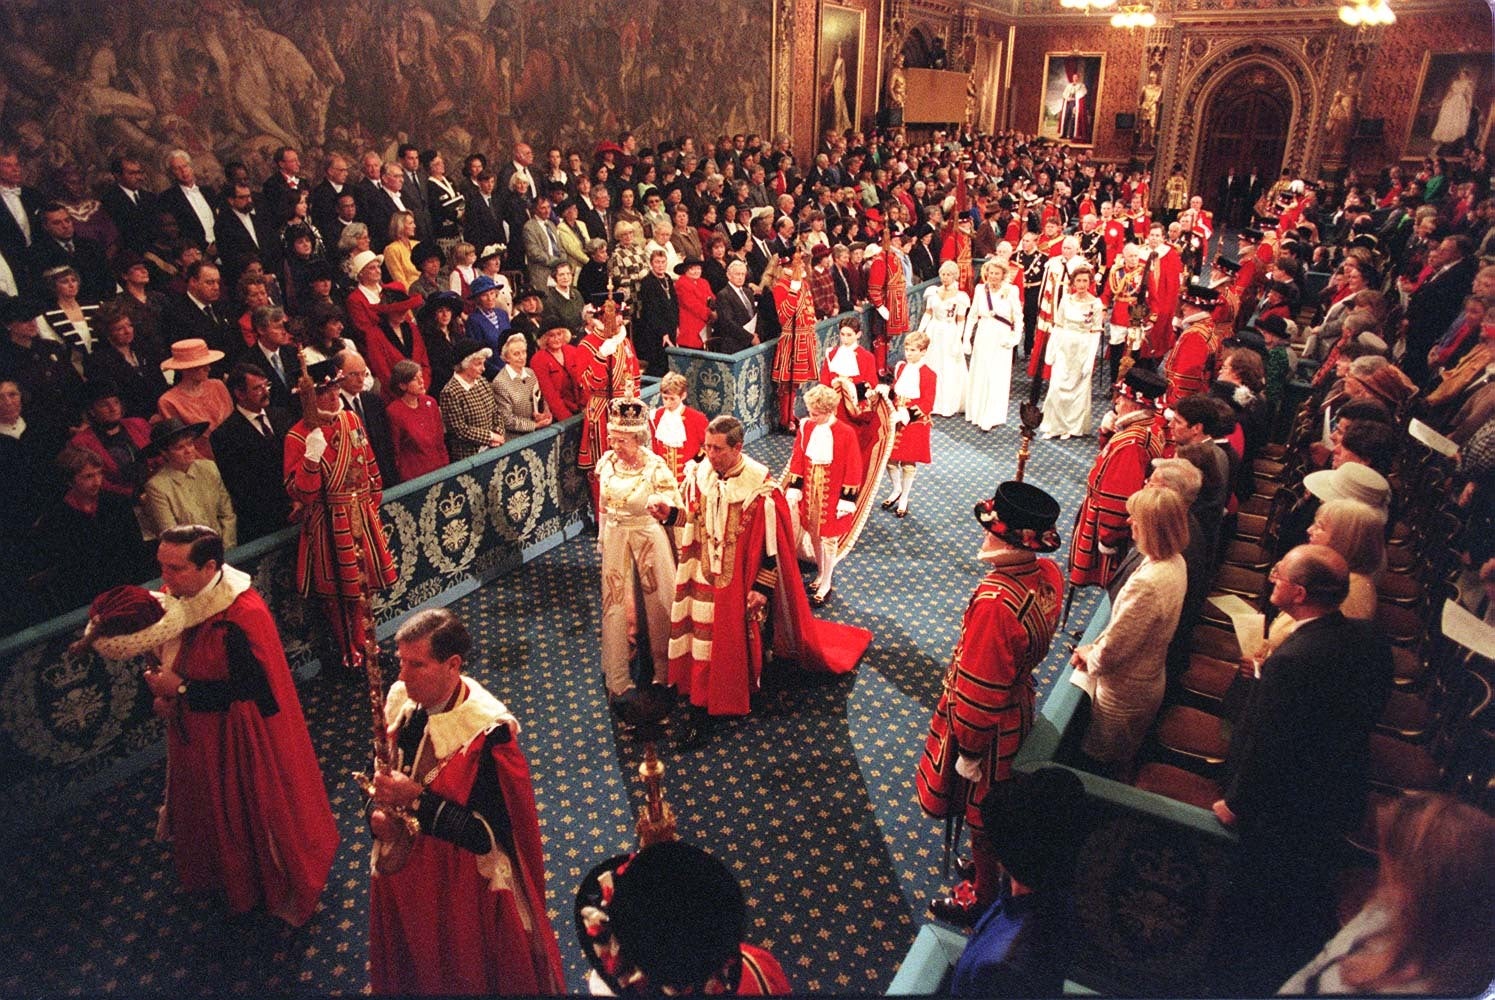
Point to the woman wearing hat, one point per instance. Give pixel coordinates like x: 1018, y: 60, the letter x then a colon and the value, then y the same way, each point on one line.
x: 142, y: 303
x: 638, y: 563
x: 428, y: 261
x: 441, y: 326
x: 396, y: 338
x: 367, y: 304
x: 697, y: 304
x: 468, y: 407
x: 555, y: 364
x: 1126, y: 665
x: 488, y: 324
x: 187, y: 489
x: 1005, y: 634
x: 196, y: 397
x: 65, y: 319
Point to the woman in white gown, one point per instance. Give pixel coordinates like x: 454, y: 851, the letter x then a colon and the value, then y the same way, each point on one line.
x: 944, y: 321
x: 1073, y: 342
x: 994, y: 326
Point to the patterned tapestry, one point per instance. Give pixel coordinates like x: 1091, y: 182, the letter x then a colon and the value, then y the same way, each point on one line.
x: 233, y: 79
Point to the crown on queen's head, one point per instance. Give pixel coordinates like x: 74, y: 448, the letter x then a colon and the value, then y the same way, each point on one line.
x: 630, y: 413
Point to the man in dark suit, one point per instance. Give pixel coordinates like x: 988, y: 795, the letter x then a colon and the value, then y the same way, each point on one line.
x: 345, y: 215
x: 483, y: 223
x: 57, y: 246
x: 286, y: 178
x: 381, y: 206
x: 324, y: 199
x: 760, y: 251
x: 19, y: 226
x: 1437, y: 302
x: 524, y: 156
x: 1297, y: 763
x: 352, y: 375
x: 245, y: 234
x: 736, y: 323
x: 414, y: 191
x: 190, y: 204
x: 249, y: 447
x: 273, y: 353
x: 129, y: 205
x: 367, y: 186
x: 198, y: 313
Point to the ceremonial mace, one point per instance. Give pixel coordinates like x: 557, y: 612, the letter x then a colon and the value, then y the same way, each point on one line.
x: 656, y: 820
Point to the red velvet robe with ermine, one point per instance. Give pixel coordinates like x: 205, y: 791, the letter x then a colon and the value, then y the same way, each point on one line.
x: 440, y: 925
x: 716, y: 653
x: 246, y: 806
x: 986, y: 708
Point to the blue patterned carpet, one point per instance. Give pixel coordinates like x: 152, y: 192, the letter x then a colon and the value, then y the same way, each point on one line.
x: 809, y: 799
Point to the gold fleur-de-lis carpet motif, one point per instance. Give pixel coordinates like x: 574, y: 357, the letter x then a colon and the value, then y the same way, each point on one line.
x: 809, y: 799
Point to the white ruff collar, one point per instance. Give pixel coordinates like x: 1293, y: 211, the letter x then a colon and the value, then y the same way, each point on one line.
x: 670, y: 431
x: 907, y: 386
x: 451, y: 731
x: 821, y: 447
x: 215, y: 598
x: 843, y: 361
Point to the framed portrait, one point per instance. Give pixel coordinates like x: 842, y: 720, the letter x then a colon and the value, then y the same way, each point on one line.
x: 1071, y: 94
x: 1452, y: 112
x: 838, y: 70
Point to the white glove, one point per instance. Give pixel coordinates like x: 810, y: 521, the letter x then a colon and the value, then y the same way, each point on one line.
x: 794, y: 495
x: 845, y: 508
x: 969, y: 768
x: 1106, y: 549
x: 882, y: 311
x: 794, y: 286
x: 609, y: 347
x: 883, y: 390
x: 316, y: 446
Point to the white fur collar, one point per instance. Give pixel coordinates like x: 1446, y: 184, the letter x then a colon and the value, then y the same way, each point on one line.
x: 450, y: 731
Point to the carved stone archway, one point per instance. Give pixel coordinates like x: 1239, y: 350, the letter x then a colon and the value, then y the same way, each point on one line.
x: 1210, y: 63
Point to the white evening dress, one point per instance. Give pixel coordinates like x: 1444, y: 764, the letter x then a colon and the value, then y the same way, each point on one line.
x: 944, y: 320
x: 994, y: 326
x: 1073, y: 342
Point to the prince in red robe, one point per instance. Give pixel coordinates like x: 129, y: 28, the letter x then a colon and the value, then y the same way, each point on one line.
x: 734, y: 530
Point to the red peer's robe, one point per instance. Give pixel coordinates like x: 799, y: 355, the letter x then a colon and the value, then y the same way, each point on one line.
x: 1164, y: 284
x: 716, y: 655
x: 246, y: 806
x: 442, y: 926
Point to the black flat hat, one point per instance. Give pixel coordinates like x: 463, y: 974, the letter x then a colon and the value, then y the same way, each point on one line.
x: 171, y: 430
x: 1022, y: 514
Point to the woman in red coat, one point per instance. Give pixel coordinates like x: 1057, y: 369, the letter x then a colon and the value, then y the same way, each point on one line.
x: 697, y: 304
x: 554, y: 364
x: 383, y: 317
x: 415, y: 427
x: 912, y: 396
x: 823, y: 484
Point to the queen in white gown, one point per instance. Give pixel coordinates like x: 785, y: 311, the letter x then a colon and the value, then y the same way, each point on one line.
x: 944, y: 321
x: 994, y: 326
x: 1073, y: 342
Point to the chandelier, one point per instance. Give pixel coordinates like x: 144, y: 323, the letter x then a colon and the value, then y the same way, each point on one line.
x: 1366, y: 13
x: 1134, y: 15
x: 1086, y: 6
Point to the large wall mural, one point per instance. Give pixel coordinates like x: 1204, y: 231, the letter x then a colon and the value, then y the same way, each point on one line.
x: 233, y: 79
